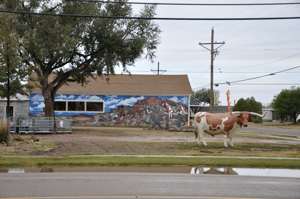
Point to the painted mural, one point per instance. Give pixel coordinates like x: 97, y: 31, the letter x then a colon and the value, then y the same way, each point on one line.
x: 142, y: 111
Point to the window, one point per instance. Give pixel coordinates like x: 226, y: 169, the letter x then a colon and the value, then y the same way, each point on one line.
x: 11, y: 111
x: 60, y: 106
x: 94, y: 106
x: 75, y: 106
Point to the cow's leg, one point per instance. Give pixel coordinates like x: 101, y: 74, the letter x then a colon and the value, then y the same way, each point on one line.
x: 230, y: 140
x: 200, y: 135
x: 226, y: 140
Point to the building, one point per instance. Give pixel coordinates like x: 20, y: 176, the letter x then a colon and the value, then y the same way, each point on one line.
x: 159, y: 101
x: 19, y: 106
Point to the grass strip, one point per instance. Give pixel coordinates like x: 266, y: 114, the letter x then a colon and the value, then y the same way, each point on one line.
x: 30, y: 161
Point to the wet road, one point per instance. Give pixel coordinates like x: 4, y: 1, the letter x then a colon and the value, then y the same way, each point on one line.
x: 144, y: 185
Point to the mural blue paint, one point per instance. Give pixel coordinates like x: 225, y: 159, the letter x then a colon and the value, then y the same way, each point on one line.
x: 127, y: 110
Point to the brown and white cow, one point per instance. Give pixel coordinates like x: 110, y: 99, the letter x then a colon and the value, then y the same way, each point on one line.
x: 220, y: 123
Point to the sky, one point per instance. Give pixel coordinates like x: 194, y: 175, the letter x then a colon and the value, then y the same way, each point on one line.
x: 253, y: 48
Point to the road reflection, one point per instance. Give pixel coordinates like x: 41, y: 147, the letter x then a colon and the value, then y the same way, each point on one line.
x: 213, y: 170
x: 291, y: 173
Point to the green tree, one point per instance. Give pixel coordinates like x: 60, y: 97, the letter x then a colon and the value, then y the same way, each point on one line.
x: 11, y: 70
x: 65, y: 48
x: 287, y: 103
x: 203, y: 96
x: 251, y: 105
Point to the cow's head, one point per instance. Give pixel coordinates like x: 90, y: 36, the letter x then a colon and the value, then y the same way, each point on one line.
x: 244, y: 117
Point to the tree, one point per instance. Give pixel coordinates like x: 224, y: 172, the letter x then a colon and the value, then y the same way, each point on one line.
x: 65, y: 48
x: 287, y: 103
x: 202, y: 96
x: 249, y: 104
x: 11, y: 70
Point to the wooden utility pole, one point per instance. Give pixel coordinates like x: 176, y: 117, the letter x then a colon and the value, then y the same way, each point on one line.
x: 158, y: 69
x: 213, y: 53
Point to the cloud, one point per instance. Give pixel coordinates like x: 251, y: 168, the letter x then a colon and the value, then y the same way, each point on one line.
x: 36, y: 106
x: 179, y: 99
x: 36, y: 97
x: 130, y: 101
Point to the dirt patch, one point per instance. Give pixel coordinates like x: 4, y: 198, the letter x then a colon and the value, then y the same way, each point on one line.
x: 111, y: 141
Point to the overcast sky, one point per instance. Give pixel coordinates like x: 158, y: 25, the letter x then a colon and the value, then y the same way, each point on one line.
x: 253, y: 48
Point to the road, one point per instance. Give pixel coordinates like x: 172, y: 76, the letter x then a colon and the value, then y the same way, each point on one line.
x: 273, y: 130
x: 117, y: 185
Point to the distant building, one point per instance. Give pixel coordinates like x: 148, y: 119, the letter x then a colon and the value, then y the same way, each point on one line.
x: 271, y: 115
x: 159, y: 101
x: 19, y: 106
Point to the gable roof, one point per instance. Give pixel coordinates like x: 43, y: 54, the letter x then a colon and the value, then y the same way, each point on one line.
x: 147, y: 85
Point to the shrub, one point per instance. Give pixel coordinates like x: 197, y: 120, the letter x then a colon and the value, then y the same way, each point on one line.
x: 3, y: 131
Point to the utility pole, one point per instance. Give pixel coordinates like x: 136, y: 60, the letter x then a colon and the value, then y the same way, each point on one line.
x: 7, y: 89
x: 213, y: 53
x: 158, y: 69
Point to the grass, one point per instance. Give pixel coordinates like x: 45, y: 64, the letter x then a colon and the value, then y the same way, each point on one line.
x: 30, y: 161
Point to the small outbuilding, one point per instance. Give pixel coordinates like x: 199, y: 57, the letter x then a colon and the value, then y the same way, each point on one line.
x: 19, y: 106
x: 158, y: 101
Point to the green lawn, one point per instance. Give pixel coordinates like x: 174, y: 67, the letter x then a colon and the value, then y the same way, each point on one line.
x: 96, y: 160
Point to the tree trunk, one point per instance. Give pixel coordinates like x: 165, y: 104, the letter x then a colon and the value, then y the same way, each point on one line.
x: 49, y: 102
x: 295, y: 117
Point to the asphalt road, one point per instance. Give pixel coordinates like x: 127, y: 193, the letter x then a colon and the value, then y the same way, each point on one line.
x: 116, y: 185
x: 273, y: 130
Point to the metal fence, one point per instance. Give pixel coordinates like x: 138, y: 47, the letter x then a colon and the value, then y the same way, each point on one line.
x: 40, y: 125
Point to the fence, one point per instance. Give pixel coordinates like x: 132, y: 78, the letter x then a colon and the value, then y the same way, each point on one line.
x: 40, y: 125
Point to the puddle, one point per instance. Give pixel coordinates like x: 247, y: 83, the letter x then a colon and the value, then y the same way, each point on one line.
x: 291, y: 173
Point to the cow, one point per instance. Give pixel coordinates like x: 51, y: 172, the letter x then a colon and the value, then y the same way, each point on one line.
x: 220, y: 123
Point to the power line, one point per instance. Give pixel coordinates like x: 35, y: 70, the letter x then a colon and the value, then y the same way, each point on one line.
x: 189, y: 4
x: 268, y: 84
x: 258, y: 77
x: 206, y: 72
x: 151, y: 18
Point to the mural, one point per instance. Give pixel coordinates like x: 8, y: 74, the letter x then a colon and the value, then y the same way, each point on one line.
x: 142, y: 111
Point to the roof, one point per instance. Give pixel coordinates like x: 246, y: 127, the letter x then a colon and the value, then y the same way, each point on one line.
x: 147, y: 85
x: 18, y: 97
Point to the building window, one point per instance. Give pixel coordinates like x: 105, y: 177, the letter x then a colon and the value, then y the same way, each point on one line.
x: 11, y: 112
x: 60, y: 106
x: 76, y: 106
x: 94, y: 106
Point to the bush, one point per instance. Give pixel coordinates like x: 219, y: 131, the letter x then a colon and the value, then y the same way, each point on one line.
x: 3, y: 132
x: 251, y: 105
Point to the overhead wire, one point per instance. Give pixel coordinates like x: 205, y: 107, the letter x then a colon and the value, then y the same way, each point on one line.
x: 188, y: 4
x: 150, y: 18
x: 257, y: 77
x: 268, y: 84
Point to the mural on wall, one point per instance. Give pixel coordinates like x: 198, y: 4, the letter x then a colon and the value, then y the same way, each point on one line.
x: 144, y: 111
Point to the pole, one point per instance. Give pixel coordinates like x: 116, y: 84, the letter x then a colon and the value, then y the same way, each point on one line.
x: 158, y: 69
x: 7, y: 88
x: 212, y: 53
